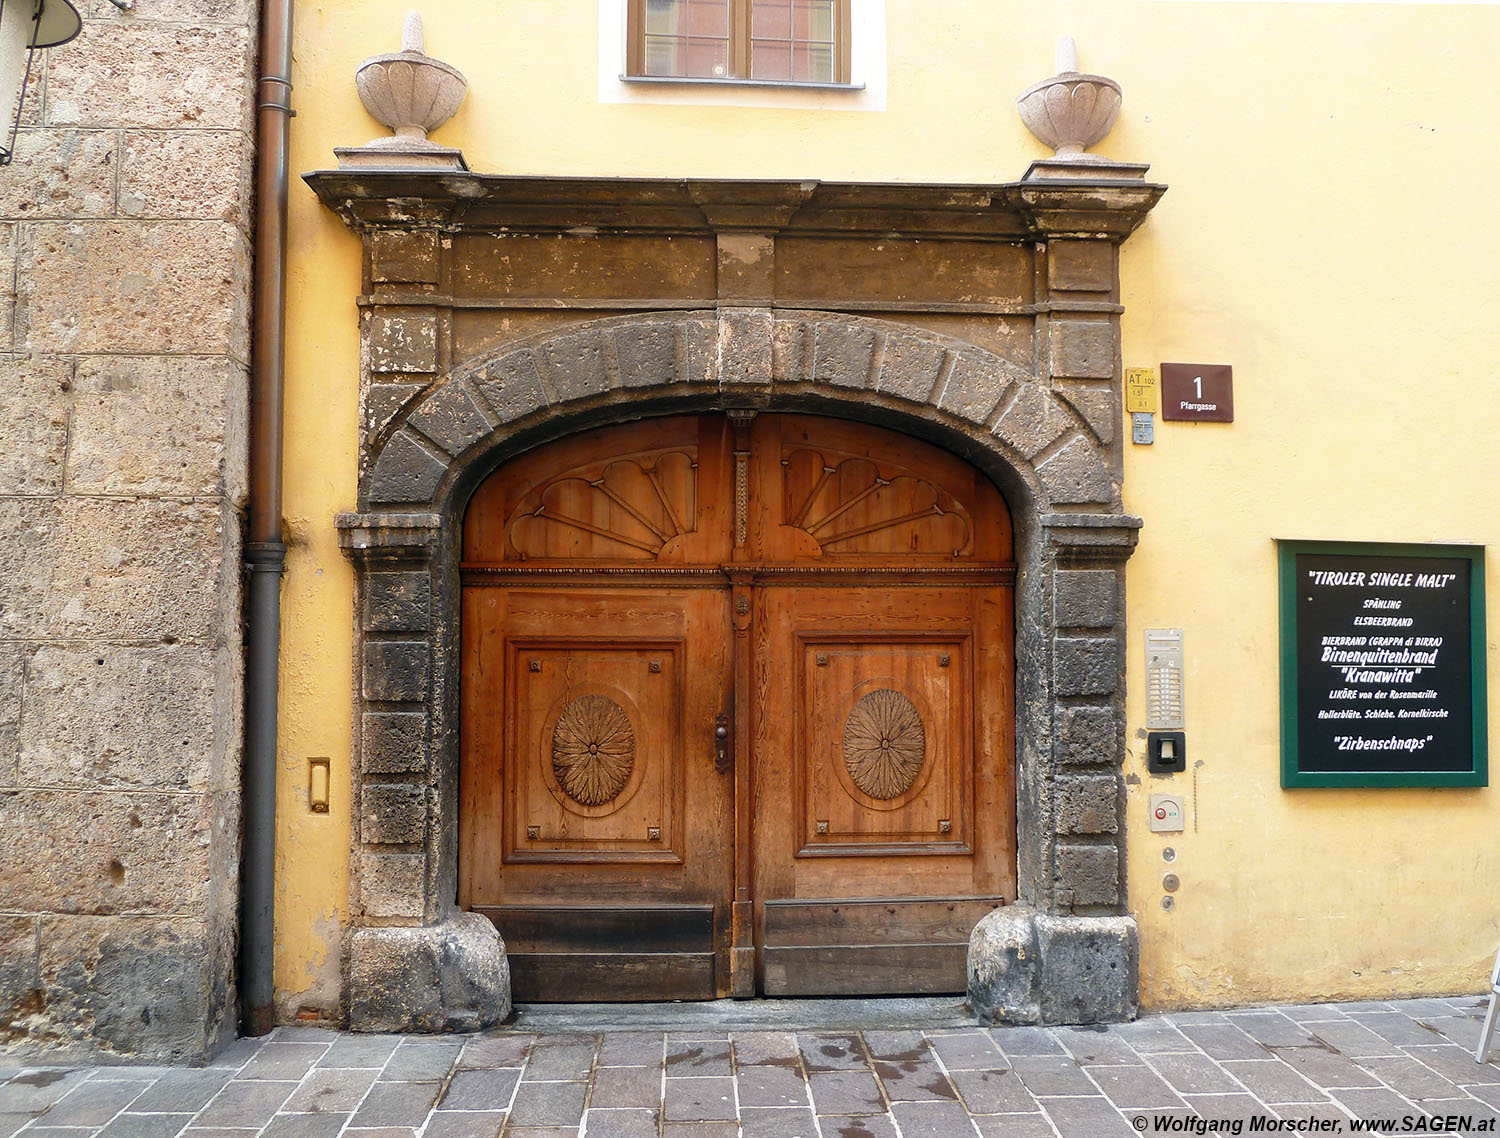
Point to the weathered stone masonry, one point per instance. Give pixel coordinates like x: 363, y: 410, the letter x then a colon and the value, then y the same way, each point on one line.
x: 745, y: 314
x: 124, y: 237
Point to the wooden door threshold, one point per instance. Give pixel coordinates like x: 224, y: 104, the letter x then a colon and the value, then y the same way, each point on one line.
x: 814, y: 1014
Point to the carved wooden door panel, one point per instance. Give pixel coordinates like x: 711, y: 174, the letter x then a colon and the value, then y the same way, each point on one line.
x: 737, y: 710
x: 884, y: 710
x: 602, y: 854
x: 596, y: 818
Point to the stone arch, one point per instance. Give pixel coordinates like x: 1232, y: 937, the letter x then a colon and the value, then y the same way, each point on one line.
x: 1051, y: 448
x: 1037, y: 443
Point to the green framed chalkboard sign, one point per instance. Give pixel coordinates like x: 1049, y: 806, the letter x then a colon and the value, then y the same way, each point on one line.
x: 1382, y: 665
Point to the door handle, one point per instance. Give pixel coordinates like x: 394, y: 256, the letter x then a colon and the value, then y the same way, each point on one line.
x: 722, y: 761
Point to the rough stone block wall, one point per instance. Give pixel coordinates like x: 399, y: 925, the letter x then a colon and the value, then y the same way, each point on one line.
x: 124, y: 298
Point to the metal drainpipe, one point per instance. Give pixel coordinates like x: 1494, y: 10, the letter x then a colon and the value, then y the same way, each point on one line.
x: 265, y: 554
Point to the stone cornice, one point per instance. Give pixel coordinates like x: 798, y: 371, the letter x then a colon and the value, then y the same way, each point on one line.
x: 1101, y: 207
x: 388, y: 535
x: 1091, y: 538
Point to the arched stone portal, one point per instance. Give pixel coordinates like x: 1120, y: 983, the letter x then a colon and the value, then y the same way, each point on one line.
x: 1045, y: 433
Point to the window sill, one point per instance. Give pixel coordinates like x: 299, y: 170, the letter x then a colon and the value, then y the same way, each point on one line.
x: 772, y: 84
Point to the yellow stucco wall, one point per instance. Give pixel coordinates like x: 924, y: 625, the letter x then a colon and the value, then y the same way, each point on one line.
x: 1327, y: 233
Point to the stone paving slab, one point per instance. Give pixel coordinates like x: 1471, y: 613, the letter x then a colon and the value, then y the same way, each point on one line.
x: 1368, y: 1067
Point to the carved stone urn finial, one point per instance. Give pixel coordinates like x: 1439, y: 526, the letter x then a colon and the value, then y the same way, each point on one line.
x: 1070, y: 111
x: 411, y: 93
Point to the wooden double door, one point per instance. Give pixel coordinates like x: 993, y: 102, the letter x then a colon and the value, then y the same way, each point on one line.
x: 737, y: 711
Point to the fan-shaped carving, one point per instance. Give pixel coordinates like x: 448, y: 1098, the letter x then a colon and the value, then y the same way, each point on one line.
x: 635, y: 505
x: 838, y: 502
x: 885, y: 744
x: 593, y: 750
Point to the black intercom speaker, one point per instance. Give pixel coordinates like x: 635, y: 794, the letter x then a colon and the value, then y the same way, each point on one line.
x: 1166, y: 752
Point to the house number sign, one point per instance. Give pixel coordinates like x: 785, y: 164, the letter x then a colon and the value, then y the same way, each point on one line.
x: 1198, y: 393
x: 1382, y: 665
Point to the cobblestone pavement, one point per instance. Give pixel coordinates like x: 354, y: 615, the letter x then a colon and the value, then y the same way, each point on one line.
x: 1327, y: 1068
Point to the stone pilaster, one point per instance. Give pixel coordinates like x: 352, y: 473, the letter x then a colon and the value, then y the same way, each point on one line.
x: 415, y: 963
x: 394, y: 798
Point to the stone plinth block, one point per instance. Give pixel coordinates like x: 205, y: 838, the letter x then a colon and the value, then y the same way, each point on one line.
x: 1086, y: 667
x: 1087, y: 736
x: 1089, y: 873
x: 135, y: 286
x: 34, y: 404
x: 414, y: 155
x: 61, y: 173
x: 93, y: 567
x: 392, y: 815
x: 404, y: 258
x: 1026, y: 967
x: 451, y: 977
x: 190, y: 173
x: 1082, y: 349
x: 397, y: 602
x: 154, y: 75
x: 130, y: 987
x: 1081, y: 266
x: 108, y: 715
x: 1085, y: 598
x: 393, y: 742
x: 402, y: 341
x: 393, y: 886
x: 105, y: 853
x: 1087, y: 803
x: 179, y: 448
